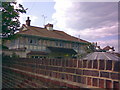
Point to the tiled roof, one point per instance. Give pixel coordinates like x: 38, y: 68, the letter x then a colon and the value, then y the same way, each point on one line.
x: 37, y: 53
x: 102, y: 56
x: 43, y: 32
x: 62, y: 50
x: 107, y: 48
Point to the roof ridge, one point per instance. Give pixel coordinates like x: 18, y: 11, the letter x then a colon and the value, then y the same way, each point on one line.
x: 36, y: 27
x: 43, y: 32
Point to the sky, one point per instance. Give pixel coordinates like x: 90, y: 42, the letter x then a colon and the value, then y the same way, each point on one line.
x: 91, y: 21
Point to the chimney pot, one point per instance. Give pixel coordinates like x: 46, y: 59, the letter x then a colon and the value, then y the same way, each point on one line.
x: 28, y: 21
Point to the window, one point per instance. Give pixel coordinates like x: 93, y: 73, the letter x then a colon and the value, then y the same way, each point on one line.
x: 35, y: 47
x: 44, y: 42
x: 57, y: 44
x: 40, y: 42
x: 43, y: 48
x: 21, y: 46
x: 51, y: 43
x: 61, y: 44
x: 30, y: 47
x: 26, y: 46
x: 36, y: 57
x: 39, y: 47
x: 32, y: 41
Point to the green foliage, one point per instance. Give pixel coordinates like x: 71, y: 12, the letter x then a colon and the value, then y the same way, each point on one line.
x: 14, y: 55
x: 4, y: 47
x: 10, y: 17
x: 5, y: 57
x: 9, y: 57
x: 12, y: 37
x: 89, y: 48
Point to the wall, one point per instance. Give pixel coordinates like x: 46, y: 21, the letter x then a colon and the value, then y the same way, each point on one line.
x: 52, y: 73
x: 40, y: 44
x: 20, y: 53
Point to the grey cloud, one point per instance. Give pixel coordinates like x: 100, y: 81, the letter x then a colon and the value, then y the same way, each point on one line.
x: 91, y: 20
x: 92, y: 15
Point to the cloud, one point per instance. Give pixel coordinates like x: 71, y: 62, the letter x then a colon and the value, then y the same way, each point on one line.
x: 23, y: 17
x: 19, y: 1
x: 87, y: 17
x: 91, y: 20
x: 80, y: 16
x: 97, y: 33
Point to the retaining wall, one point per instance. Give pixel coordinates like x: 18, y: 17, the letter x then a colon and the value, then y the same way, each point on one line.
x: 56, y: 73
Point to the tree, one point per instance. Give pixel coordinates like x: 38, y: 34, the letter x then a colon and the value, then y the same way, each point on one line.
x: 10, y: 17
x: 89, y: 48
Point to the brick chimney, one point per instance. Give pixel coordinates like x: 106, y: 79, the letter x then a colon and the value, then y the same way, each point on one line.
x: 28, y: 21
x: 49, y: 26
x: 113, y: 48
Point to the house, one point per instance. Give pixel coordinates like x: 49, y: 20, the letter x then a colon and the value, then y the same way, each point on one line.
x: 109, y: 49
x: 46, y: 40
x: 96, y: 47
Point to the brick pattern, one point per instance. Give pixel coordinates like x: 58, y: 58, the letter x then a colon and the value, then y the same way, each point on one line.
x: 96, y: 73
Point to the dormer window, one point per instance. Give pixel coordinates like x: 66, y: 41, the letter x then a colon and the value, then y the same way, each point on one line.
x: 49, y: 26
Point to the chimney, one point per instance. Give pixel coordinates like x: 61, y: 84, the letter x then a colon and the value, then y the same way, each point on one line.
x: 113, y: 48
x: 49, y: 26
x: 28, y: 21
x: 96, y: 43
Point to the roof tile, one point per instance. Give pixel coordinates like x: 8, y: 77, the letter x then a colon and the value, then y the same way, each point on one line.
x: 42, y: 32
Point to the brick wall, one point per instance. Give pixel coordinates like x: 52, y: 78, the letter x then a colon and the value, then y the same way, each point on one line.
x: 61, y: 73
